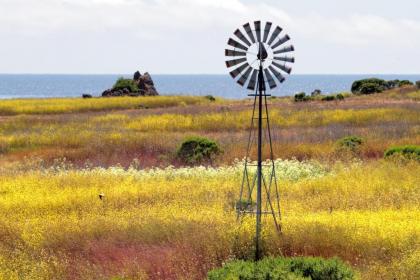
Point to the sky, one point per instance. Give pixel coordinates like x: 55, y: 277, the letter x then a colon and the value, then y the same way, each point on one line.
x: 189, y: 36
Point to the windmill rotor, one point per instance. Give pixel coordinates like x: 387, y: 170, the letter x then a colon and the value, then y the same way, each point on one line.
x: 258, y: 46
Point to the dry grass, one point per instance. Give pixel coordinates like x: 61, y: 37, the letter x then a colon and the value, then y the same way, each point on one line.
x: 303, y: 131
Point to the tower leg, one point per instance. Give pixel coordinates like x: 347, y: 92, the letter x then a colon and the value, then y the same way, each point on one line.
x: 261, y: 85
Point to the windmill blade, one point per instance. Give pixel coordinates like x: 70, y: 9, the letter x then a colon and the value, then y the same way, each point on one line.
x: 281, y: 41
x: 236, y: 44
x: 252, y: 80
x: 285, y: 49
x: 238, y: 70
x: 257, y: 25
x: 277, y: 74
x: 248, y: 30
x: 234, y: 62
x: 266, y: 30
x: 241, y: 37
x: 270, y: 79
x: 274, y: 35
x: 285, y: 58
x: 245, y: 76
x: 284, y: 68
x: 234, y: 53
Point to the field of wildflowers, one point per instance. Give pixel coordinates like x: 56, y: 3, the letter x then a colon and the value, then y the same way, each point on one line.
x: 177, y: 223
x: 157, y: 219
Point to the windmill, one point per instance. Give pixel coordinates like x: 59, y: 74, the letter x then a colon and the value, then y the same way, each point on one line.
x: 257, y: 59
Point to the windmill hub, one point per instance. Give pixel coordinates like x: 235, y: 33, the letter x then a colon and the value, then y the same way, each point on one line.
x: 253, y: 48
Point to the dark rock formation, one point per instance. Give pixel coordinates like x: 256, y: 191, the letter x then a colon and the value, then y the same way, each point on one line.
x: 143, y: 83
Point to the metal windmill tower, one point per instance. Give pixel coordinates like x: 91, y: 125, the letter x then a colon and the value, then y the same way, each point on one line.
x: 257, y: 59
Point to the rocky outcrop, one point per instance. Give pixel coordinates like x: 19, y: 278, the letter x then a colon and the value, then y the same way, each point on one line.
x: 145, y: 83
x: 140, y: 85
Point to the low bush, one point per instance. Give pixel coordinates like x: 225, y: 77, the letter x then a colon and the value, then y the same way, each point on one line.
x: 210, y: 97
x: 339, y: 96
x: 350, y: 142
x: 418, y: 84
x: 368, y: 86
x: 198, y: 150
x: 410, y: 152
x: 405, y: 83
x: 328, y: 98
x: 129, y: 84
x: 300, y: 97
x: 284, y: 268
x: 392, y: 83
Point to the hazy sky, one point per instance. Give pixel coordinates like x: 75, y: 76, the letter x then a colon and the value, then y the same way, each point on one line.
x: 189, y: 36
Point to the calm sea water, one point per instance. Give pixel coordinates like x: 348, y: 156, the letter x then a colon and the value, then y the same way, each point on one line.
x: 32, y: 86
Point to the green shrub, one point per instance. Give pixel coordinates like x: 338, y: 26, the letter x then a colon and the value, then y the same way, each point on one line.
x: 197, y: 150
x: 284, y: 269
x: 410, y: 152
x: 368, y: 86
x: 129, y: 84
x: 339, y: 96
x: 405, y: 83
x: 392, y: 83
x: 328, y: 98
x: 300, y: 97
x: 350, y: 142
x: 418, y: 84
x: 210, y: 97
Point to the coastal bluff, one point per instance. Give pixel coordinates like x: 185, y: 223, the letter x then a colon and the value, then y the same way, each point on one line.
x: 140, y: 85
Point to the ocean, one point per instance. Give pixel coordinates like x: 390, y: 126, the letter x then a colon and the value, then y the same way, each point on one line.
x: 37, y: 86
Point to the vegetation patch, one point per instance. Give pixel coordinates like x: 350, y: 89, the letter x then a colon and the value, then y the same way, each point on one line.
x: 210, y: 97
x: 198, y: 150
x: 410, y: 152
x: 374, y: 85
x: 317, y: 95
x: 128, y: 84
x: 350, y: 142
x: 284, y: 269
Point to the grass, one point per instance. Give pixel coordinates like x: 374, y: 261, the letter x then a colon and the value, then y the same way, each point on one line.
x: 107, y: 138
x: 77, y: 105
x: 180, y: 222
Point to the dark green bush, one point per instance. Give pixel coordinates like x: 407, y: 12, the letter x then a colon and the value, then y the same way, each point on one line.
x: 328, y: 98
x: 210, y: 97
x: 410, y: 152
x: 405, y: 83
x: 418, y: 84
x: 339, y: 96
x: 368, y: 86
x: 197, y: 150
x: 300, y: 97
x: 284, y: 269
x: 129, y: 84
x: 392, y: 83
x: 350, y: 142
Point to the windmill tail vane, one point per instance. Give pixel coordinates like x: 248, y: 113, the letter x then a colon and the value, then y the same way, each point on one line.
x: 256, y: 60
